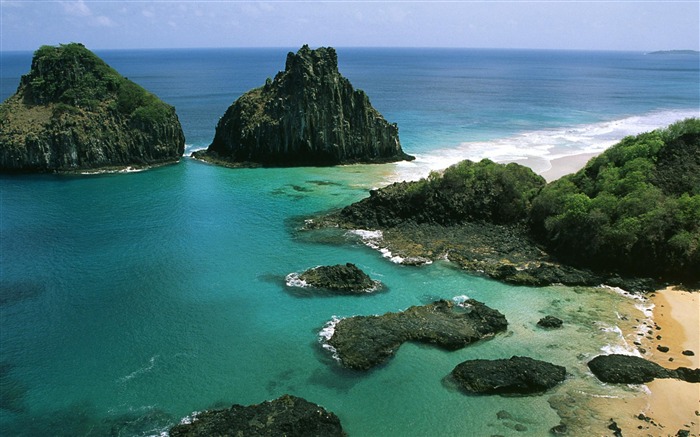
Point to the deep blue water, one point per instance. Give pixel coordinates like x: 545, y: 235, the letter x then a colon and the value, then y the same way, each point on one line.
x: 128, y: 301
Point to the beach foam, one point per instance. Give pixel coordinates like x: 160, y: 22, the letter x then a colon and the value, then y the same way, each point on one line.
x: 537, y: 149
x: 327, y: 333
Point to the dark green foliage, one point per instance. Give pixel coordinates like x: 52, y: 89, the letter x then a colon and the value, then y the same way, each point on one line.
x: 467, y: 191
x: 73, y: 77
x: 633, y: 209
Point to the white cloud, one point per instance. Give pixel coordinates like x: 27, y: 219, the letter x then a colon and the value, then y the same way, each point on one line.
x: 77, y: 8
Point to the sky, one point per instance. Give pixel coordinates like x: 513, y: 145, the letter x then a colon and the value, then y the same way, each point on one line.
x: 565, y: 24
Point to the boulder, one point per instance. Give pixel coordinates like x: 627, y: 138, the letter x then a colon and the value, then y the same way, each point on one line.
x: 346, y: 278
x: 308, y: 115
x: 550, y: 322
x: 286, y: 416
x: 516, y: 375
x: 628, y: 369
x: 72, y: 112
x: 362, y: 342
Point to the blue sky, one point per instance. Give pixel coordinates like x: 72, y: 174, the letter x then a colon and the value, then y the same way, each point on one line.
x: 582, y: 25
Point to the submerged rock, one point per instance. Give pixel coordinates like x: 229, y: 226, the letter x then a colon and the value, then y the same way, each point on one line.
x: 346, y: 278
x: 72, y: 112
x: 286, y: 416
x: 550, y: 322
x: 362, y: 342
x: 517, y: 375
x: 308, y: 115
x: 628, y: 369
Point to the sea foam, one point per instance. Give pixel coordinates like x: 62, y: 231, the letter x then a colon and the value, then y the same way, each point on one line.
x: 327, y: 333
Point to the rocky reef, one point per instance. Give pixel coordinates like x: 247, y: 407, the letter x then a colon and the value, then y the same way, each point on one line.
x: 286, y: 416
x: 628, y: 369
x: 516, y: 375
x: 346, y: 279
x: 309, y: 115
x: 362, y: 342
x: 72, y: 112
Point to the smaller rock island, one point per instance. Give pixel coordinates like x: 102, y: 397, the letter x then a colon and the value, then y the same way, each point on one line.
x: 341, y: 279
x: 309, y: 115
x: 72, y: 113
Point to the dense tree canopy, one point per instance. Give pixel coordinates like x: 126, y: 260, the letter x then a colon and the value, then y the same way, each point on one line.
x: 467, y: 191
x: 633, y: 209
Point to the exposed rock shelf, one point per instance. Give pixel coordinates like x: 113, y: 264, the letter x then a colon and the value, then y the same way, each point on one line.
x: 72, y: 112
x: 628, y: 369
x: 341, y: 278
x: 308, y: 115
x: 517, y: 375
x: 362, y: 342
x: 286, y: 416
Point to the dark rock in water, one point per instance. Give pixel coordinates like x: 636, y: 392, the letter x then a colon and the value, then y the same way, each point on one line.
x: 308, y: 115
x: 286, y: 416
x: 550, y: 322
x: 628, y: 369
x: 72, y: 112
x: 688, y: 353
x: 517, y: 375
x: 362, y: 342
x: 560, y: 429
x: 662, y: 348
x: 346, y: 278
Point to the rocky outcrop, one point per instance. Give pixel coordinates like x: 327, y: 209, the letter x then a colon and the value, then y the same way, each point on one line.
x: 475, y: 215
x: 347, y: 279
x: 72, y: 112
x: 286, y: 416
x: 517, y: 375
x: 550, y: 322
x: 628, y: 369
x: 362, y: 342
x: 308, y: 115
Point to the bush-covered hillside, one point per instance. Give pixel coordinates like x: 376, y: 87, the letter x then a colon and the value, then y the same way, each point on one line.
x: 74, y: 112
x: 634, y: 208
x: 70, y: 74
x: 465, y: 192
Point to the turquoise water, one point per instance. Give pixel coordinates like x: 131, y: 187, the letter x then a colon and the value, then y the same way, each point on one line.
x: 129, y: 301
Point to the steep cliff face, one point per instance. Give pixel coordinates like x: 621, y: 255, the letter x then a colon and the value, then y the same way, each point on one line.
x: 72, y: 112
x: 308, y: 115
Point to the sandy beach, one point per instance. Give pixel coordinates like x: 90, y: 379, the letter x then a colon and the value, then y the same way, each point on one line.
x: 566, y: 165
x: 670, y: 405
x: 675, y: 404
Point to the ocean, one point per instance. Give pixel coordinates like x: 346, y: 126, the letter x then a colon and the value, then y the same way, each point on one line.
x: 130, y: 301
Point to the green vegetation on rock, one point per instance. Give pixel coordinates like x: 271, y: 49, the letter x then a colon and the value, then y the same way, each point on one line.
x: 73, y: 112
x: 634, y: 209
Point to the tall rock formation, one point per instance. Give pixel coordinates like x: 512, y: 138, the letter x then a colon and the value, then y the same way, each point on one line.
x: 308, y: 115
x: 72, y: 112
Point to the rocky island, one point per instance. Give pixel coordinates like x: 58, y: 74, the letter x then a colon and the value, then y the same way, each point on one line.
x: 309, y: 115
x: 286, y: 416
x: 363, y: 342
x: 341, y: 278
x: 72, y: 112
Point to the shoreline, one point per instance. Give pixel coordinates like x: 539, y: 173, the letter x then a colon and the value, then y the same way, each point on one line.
x: 673, y: 403
x: 566, y: 165
x: 663, y: 406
